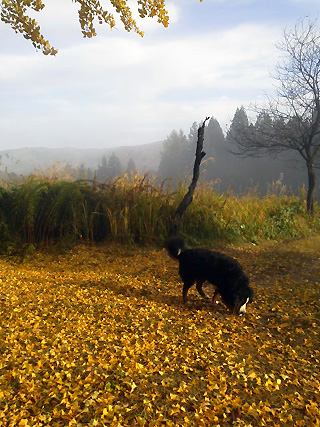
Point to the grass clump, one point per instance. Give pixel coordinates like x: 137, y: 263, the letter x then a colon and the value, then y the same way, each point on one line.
x: 247, y: 217
x: 137, y: 210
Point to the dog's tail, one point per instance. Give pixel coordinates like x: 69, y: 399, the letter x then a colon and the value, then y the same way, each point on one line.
x: 174, y: 246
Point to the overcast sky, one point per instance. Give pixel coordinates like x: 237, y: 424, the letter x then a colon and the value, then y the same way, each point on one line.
x: 120, y: 89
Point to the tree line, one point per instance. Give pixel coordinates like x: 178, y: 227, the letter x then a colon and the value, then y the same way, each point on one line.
x: 288, y: 125
x: 109, y: 168
x: 226, y: 171
x: 222, y: 167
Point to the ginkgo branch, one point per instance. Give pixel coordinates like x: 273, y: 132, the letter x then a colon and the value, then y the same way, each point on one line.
x: 15, y: 14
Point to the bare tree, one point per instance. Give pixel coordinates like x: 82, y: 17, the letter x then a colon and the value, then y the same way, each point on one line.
x: 291, y: 120
x: 188, y: 197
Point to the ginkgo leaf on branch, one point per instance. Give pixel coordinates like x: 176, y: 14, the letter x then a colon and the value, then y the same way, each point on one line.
x: 15, y: 13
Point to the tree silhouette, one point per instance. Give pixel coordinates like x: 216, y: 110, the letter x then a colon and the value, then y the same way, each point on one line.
x: 102, y: 171
x: 114, y: 168
x: 291, y: 121
x: 131, y: 166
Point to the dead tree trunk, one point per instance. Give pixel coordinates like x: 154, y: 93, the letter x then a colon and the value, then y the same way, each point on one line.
x: 311, y: 187
x: 196, y: 173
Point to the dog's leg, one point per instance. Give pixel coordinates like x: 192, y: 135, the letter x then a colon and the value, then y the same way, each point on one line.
x: 200, y: 290
x: 186, y: 287
x: 215, y: 296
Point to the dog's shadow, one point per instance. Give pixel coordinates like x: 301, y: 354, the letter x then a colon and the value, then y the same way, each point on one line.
x: 161, y: 296
x: 156, y: 295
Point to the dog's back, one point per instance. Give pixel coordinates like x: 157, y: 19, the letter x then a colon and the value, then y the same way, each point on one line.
x: 212, y: 266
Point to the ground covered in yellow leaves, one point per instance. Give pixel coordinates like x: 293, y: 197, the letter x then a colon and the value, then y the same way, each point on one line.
x: 100, y: 337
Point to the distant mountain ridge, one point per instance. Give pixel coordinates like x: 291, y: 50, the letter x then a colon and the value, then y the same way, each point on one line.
x: 30, y: 159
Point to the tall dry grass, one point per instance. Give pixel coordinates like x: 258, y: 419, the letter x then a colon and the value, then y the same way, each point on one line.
x: 135, y: 209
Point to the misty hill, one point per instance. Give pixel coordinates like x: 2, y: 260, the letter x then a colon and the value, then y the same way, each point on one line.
x: 28, y: 160
x: 228, y: 170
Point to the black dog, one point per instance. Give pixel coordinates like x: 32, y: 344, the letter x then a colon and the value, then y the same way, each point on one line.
x: 222, y: 271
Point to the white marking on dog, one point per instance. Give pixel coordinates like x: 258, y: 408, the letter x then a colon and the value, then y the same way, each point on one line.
x: 179, y: 252
x: 243, y: 307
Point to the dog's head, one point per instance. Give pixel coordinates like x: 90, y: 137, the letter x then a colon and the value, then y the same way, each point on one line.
x: 243, y: 297
x: 174, y: 246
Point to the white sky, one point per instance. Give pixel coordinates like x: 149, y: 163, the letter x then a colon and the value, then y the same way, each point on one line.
x: 121, y: 89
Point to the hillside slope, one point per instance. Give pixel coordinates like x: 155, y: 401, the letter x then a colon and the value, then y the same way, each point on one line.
x: 27, y: 160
